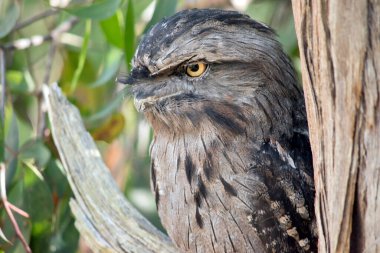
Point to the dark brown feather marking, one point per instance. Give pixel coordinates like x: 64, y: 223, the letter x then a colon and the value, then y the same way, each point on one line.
x: 232, y: 166
x: 201, y: 187
x: 154, y: 183
x: 223, y: 121
x: 207, y: 163
x: 213, y: 247
x: 229, y: 238
x: 189, y: 168
x: 221, y: 201
x: 177, y: 168
x: 228, y: 187
x: 197, y: 199
x: 153, y: 174
x: 236, y: 223
x: 198, y: 218
x: 157, y: 198
x: 213, y: 230
x: 188, y: 232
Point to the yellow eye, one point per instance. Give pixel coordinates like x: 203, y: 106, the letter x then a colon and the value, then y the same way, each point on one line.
x: 196, y: 69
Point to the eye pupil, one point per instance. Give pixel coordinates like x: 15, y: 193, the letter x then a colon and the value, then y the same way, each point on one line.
x: 194, y: 67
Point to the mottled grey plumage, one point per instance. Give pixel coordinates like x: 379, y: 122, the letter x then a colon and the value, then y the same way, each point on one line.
x: 231, y: 160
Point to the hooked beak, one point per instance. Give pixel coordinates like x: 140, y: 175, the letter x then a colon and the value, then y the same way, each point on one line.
x: 135, y: 74
x: 145, y: 98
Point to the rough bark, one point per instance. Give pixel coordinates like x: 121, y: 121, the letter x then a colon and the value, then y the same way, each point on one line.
x: 340, y: 52
x: 103, y: 216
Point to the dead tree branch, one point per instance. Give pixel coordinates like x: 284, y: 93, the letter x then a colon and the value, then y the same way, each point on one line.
x: 103, y: 216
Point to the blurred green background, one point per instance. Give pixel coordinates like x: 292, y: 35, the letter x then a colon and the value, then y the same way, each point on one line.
x: 84, y: 61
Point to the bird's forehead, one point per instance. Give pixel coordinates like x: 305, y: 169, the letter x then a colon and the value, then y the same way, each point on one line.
x: 188, y: 31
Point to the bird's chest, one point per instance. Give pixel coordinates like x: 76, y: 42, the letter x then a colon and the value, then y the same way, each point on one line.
x: 198, y: 197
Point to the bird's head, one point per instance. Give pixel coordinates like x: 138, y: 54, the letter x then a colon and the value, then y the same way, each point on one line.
x: 212, y: 66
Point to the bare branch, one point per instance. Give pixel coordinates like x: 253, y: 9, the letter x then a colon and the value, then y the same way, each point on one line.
x: 41, y: 121
x: 8, y: 209
x: 2, y: 81
x: 38, y: 40
x: 35, y: 18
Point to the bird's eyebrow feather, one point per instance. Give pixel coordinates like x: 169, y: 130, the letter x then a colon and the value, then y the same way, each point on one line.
x: 172, y: 66
x: 141, y: 72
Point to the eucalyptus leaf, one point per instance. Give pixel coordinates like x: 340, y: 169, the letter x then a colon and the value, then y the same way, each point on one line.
x: 65, y: 237
x: 9, y: 13
x: 38, y: 197
x: 129, y: 34
x: 164, y: 8
x: 12, y: 144
x: 110, y: 67
x: 107, y: 110
x: 82, y: 56
x: 98, y: 10
x: 112, y: 29
x: 2, y: 236
x: 16, y: 82
x: 56, y: 179
x: 37, y: 151
x: 110, y: 128
x: 139, y: 6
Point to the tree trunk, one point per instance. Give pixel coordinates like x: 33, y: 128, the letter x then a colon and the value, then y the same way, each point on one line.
x: 340, y: 53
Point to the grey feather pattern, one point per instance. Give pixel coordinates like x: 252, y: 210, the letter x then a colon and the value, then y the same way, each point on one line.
x: 231, y: 160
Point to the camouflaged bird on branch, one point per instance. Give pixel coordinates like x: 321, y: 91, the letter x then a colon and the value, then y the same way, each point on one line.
x: 231, y: 160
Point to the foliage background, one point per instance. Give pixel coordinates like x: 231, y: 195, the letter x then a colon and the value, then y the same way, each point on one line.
x: 84, y: 61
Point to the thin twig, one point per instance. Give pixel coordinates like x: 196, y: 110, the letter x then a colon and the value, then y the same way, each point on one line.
x: 41, y: 122
x: 2, y: 80
x: 38, y: 40
x: 8, y: 209
x: 35, y: 18
x: 18, y: 210
x: 49, y: 62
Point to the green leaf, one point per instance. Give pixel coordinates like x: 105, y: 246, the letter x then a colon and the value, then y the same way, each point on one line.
x: 16, y: 82
x: 287, y: 36
x: 110, y: 128
x: 139, y: 6
x: 2, y: 236
x: 65, y: 237
x: 164, y: 8
x: 40, y: 229
x: 37, y: 151
x: 129, y: 34
x: 56, y: 179
x: 12, y: 144
x: 2, y: 139
x: 107, y: 110
x: 82, y: 56
x: 262, y: 10
x: 98, y: 10
x: 38, y: 197
x: 112, y: 29
x: 110, y: 68
x: 9, y: 13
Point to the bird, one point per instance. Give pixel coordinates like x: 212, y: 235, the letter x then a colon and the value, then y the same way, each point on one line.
x: 231, y: 163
